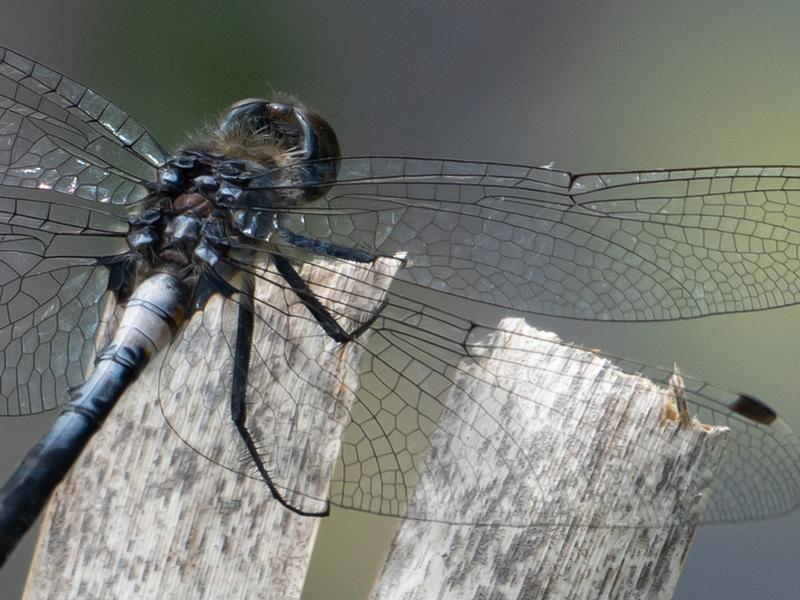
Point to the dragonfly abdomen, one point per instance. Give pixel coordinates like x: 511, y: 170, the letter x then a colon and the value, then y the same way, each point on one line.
x: 151, y: 317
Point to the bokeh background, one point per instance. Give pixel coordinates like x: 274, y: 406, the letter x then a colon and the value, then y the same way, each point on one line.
x: 589, y: 86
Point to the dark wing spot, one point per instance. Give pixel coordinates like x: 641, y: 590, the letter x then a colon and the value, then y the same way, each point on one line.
x: 754, y: 409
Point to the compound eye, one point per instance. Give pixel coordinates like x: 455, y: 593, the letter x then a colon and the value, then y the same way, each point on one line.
x: 293, y: 126
x: 306, y: 134
x: 244, y: 117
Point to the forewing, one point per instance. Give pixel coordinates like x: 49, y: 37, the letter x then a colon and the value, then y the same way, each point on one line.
x: 633, y: 246
x: 56, y: 134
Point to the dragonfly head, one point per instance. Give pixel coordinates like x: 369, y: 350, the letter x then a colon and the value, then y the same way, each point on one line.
x: 278, y: 134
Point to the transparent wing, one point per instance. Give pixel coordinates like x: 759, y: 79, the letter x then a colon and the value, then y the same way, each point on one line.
x: 71, y: 163
x: 760, y: 477
x: 443, y: 368
x: 46, y: 347
x: 293, y: 422
x: 51, y: 285
x: 56, y: 134
x: 634, y: 246
x: 430, y: 401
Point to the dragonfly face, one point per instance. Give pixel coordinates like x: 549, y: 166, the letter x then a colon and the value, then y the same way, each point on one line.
x: 92, y: 204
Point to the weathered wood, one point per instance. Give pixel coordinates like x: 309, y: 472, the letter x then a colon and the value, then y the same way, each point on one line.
x: 610, y: 448
x: 142, y: 515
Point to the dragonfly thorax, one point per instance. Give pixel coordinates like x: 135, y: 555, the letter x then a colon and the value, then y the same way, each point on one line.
x: 227, y: 188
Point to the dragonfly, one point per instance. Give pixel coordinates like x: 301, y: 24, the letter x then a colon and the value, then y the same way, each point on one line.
x: 98, y: 219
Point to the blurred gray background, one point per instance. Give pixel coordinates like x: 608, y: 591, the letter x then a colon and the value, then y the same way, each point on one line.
x: 628, y: 85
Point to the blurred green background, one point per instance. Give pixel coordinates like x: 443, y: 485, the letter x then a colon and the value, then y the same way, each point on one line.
x: 625, y: 85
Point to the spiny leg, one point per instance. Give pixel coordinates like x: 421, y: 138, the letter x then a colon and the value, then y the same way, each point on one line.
x: 241, y: 368
x: 326, y: 248
x: 312, y: 303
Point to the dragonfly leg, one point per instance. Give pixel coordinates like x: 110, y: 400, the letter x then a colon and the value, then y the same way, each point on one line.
x: 320, y: 313
x: 325, y: 248
x: 241, y: 367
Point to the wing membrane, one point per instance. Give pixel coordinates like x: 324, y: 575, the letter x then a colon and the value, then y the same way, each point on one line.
x: 70, y: 163
x: 432, y: 404
x: 51, y: 286
x: 57, y: 134
x: 636, y: 246
x: 46, y: 340
x: 295, y: 427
